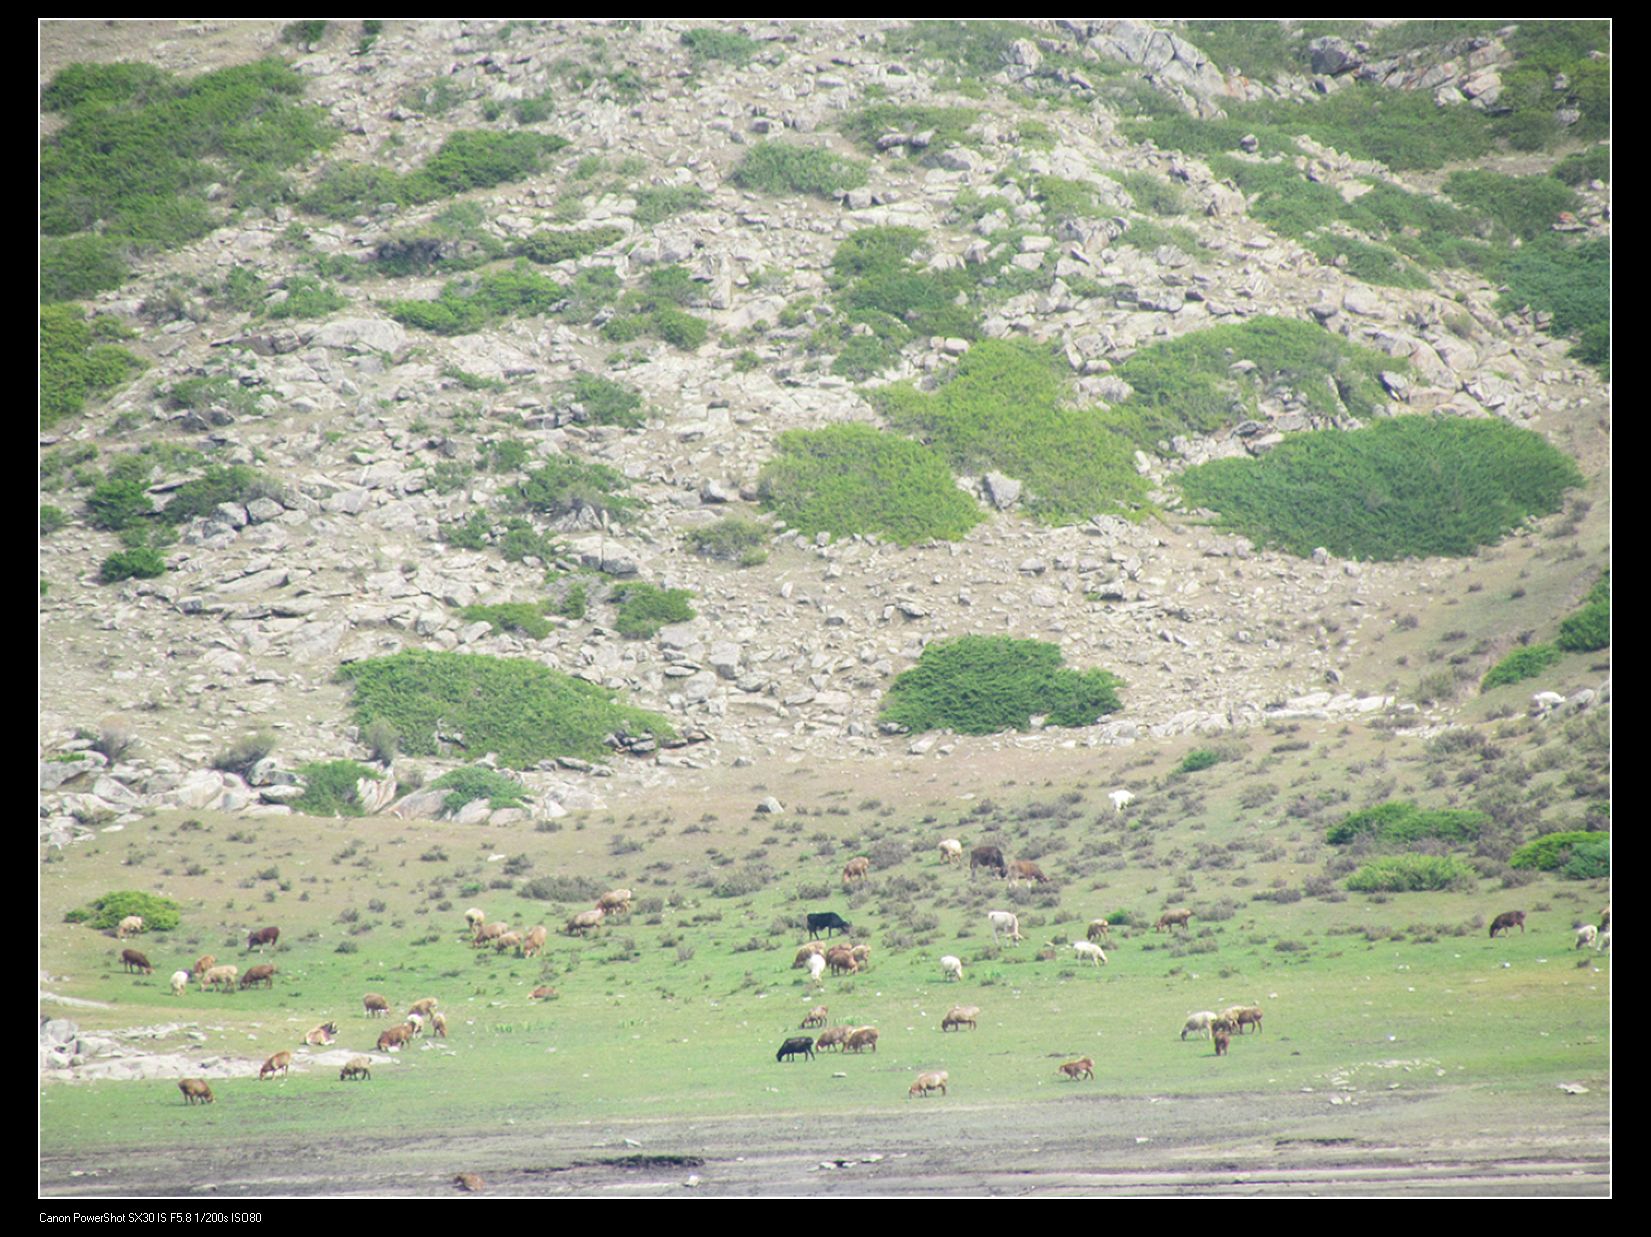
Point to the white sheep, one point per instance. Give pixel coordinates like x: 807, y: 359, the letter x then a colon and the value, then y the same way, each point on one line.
x: 1120, y: 800
x: 1604, y: 941
x: 816, y: 966
x: 180, y: 981
x: 1199, y: 1023
x: 951, y: 851
x: 1586, y: 934
x: 1006, y: 922
x: 1090, y: 950
x: 130, y: 926
x: 951, y: 968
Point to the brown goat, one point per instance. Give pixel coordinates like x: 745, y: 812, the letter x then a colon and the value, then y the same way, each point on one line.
x: 279, y: 1061
x: 195, y: 1090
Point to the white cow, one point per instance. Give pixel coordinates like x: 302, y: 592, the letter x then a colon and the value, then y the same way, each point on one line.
x: 952, y: 967
x: 1005, y: 922
x: 1090, y: 950
x: 1120, y: 800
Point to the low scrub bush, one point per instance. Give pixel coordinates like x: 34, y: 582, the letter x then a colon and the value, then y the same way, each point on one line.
x: 467, y: 305
x: 849, y: 479
x: 644, y: 608
x: 1409, y: 486
x: 479, y: 782
x: 74, y: 366
x: 519, y: 709
x: 725, y: 45
x: 1554, y: 851
x: 245, y: 752
x: 159, y: 914
x: 1412, y: 873
x: 527, y: 617
x: 733, y: 539
x: 1400, y: 823
x: 565, y: 486
x: 1521, y: 664
x: 468, y: 159
x: 655, y: 205
x: 549, y: 247
x: 1198, y: 760
x: 140, y: 562
x: 984, y: 684
x: 1589, y: 629
x: 777, y: 167
x: 330, y: 788
x: 948, y: 126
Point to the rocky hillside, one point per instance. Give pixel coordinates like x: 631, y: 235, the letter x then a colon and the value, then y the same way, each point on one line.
x: 517, y: 314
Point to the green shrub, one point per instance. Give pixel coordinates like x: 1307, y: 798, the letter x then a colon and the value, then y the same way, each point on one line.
x: 709, y: 44
x: 1412, y: 873
x: 984, y: 684
x: 607, y: 402
x: 1572, y: 282
x: 518, y: 709
x: 776, y: 167
x: 655, y: 205
x: 1553, y: 851
x: 479, y: 782
x: 1153, y: 193
x: 527, y: 617
x: 1400, y: 823
x: 644, y: 609
x: 1521, y: 664
x: 468, y: 305
x: 117, y: 504
x: 565, y: 485
x: 50, y: 519
x: 1526, y: 206
x: 303, y: 33
x: 1198, y: 760
x: 468, y: 159
x: 75, y: 267
x: 549, y: 247
x: 1589, y: 629
x: 1590, y: 860
x: 73, y: 367
x: 949, y: 125
x: 307, y: 297
x: 159, y: 914
x: 1584, y: 165
x: 239, y: 484
x: 733, y: 539
x: 330, y: 788
x: 849, y: 479
x: 1409, y: 486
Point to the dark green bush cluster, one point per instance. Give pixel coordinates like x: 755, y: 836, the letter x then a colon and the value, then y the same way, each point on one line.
x: 655, y: 309
x: 527, y: 617
x: 479, y: 782
x: 984, y: 684
x: 1001, y: 410
x: 644, y: 608
x: 1519, y: 665
x: 732, y: 539
x: 655, y: 205
x: 848, y: 479
x: 1584, y: 165
x: 565, y: 485
x: 1409, y: 486
x: 606, y: 402
x: 159, y: 914
x: 1400, y: 823
x: 1198, y: 760
x: 307, y: 297
x: 73, y: 365
x: 518, y: 709
x: 138, y: 563
x: 330, y: 788
x: 778, y: 167
x: 711, y: 44
x: 1589, y: 629
x: 468, y: 159
x: 514, y: 537
x: 469, y: 305
x: 1573, y: 283
x: 975, y: 48
x: 1590, y: 852
x: 137, y: 148
x: 948, y: 125
x: 552, y: 245
x: 303, y: 33
x: 880, y: 288
x: 1412, y: 874
x: 238, y: 483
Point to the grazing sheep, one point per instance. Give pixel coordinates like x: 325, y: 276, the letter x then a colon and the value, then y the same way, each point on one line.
x: 180, y: 981
x: 321, y: 1036
x: 1586, y: 935
x: 220, y: 977
x: 278, y: 1062
x: 489, y: 933
x: 951, y: 851
x: 1242, y: 1016
x: 375, y: 1005
x: 816, y: 1017
x: 808, y: 951
x: 205, y: 963
x: 534, y: 943
x: 474, y: 918
x: 1005, y: 922
x: 195, y: 1090
x: 507, y: 940
x: 1222, y: 1039
x: 989, y: 857
x: 935, y: 1081
x: 358, y: 1068
x: 832, y: 1037
x: 1603, y: 945
x: 423, y: 1008
x: 1083, y: 1067
x: 1226, y: 1022
x: 470, y: 1183
x: 1172, y: 919
x: 260, y: 937
x: 615, y: 902
x: 816, y: 966
x: 264, y: 973
x: 1026, y: 870
x: 1099, y: 931
x: 1090, y: 950
x: 415, y: 1025
x: 1605, y: 918
x: 856, y: 869
x: 584, y: 921
x: 1506, y: 921
x: 132, y: 960
x: 393, y: 1038
x: 841, y: 958
x: 803, y: 1044
x: 438, y: 1023
x: 860, y: 1039
x: 862, y: 956
x: 130, y: 926
x: 1120, y: 800
x: 1198, y: 1024
x: 951, y: 968
x: 960, y: 1015
x: 543, y: 992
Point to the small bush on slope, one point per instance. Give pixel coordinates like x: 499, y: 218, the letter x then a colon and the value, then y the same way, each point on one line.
x: 983, y: 684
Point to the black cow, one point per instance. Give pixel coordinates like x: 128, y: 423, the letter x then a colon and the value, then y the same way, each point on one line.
x: 827, y: 922
x: 260, y: 937
x: 800, y: 1043
x: 988, y: 857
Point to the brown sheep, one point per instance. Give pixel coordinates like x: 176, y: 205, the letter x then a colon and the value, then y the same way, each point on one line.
x: 489, y: 933
x: 507, y: 940
x: 439, y: 1023
x: 1175, y: 918
x: 951, y: 851
x: 1506, y: 920
x: 264, y: 973
x: 926, y: 1083
x: 220, y: 977
x: 392, y: 1039
x: 862, y: 955
x: 259, y: 937
x: 584, y: 921
x: 1026, y: 870
x: 543, y: 993
x: 322, y: 1035
x: 195, y: 1090
x: 860, y: 1039
x: 960, y: 1015
x: 424, y: 1008
x: 470, y: 1183
x: 832, y: 1037
x: 356, y: 1067
x: 841, y: 958
x: 279, y: 1061
x: 205, y: 963
x: 474, y: 918
x: 1083, y: 1067
x: 816, y: 1017
x: 534, y: 943
x: 375, y: 1005
x: 615, y: 902
x: 856, y: 869
x: 1222, y: 1039
x: 132, y: 960
x: 1248, y: 1016
x: 807, y: 952
x: 1098, y: 931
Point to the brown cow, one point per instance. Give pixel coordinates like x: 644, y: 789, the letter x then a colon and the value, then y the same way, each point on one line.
x: 1171, y: 919
x: 259, y: 937
x: 264, y: 973
x: 279, y: 1061
x: 1506, y: 920
x: 1083, y: 1067
x: 134, y: 961
x: 195, y: 1090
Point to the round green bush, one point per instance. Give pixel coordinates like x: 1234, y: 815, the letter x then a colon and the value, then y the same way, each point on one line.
x: 1412, y: 873
x: 984, y: 684
x: 159, y: 914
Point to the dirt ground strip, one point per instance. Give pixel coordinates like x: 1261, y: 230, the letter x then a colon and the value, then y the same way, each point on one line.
x: 1446, y: 1143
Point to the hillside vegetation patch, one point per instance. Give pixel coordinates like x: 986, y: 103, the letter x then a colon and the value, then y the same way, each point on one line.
x: 1402, y: 823
x: 519, y: 710
x: 984, y: 684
